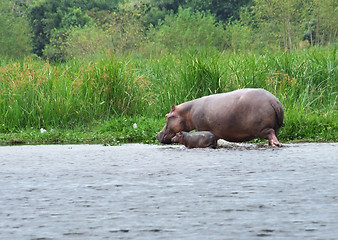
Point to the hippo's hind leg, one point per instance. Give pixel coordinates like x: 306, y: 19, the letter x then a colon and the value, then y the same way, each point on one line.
x: 270, y: 135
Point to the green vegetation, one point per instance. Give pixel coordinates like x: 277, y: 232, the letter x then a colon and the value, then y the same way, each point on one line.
x: 108, y: 71
x: 35, y: 94
x: 122, y: 129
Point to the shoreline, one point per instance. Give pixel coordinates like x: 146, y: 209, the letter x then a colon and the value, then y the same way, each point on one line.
x: 71, y: 137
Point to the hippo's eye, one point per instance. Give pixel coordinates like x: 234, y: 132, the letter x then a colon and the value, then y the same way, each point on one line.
x: 170, y: 118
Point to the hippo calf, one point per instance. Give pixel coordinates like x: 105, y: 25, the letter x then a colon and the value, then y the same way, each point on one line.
x: 201, y: 139
x: 236, y: 116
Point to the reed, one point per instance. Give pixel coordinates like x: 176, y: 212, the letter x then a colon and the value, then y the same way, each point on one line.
x: 36, y: 94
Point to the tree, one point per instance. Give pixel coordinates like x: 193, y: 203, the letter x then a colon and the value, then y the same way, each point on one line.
x: 125, y: 28
x: 14, y: 28
x: 324, y: 16
x: 156, y: 10
x: 282, y: 17
x: 188, y: 29
x: 47, y: 15
x: 223, y: 10
x: 153, y: 11
x: 291, y: 21
x: 87, y: 41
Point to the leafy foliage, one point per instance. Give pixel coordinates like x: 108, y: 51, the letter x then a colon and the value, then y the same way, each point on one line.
x: 14, y: 29
x: 291, y: 21
x: 188, y: 29
x: 223, y: 10
x: 54, y: 15
x: 125, y: 28
x: 156, y: 27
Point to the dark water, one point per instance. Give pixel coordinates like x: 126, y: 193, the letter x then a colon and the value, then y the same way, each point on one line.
x: 169, y: 192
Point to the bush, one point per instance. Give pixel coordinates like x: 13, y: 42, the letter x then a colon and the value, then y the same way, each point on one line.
x: 187, y: 29
x: 240, y: 36
x: 125, y: 28
x: 87, y: 41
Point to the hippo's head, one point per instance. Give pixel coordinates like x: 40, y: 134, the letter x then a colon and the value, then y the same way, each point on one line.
x: 175, y: 123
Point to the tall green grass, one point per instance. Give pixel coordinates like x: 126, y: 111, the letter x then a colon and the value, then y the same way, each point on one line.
x: 35, y: 94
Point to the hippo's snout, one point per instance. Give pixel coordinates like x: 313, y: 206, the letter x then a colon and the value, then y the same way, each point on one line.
x: 162, y: 138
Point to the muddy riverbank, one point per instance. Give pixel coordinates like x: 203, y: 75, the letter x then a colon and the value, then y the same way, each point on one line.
x: 138, y: 191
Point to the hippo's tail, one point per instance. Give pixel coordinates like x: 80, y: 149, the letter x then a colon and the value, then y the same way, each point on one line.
x: 279, y: 111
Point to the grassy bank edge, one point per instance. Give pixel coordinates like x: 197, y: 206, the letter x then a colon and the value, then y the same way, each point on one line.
x: 139, y: 129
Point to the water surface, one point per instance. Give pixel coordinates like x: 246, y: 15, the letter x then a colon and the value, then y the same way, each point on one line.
x: 137, y: 191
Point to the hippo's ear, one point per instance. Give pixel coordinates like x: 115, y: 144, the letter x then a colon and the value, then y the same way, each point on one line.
x: 173, y: 107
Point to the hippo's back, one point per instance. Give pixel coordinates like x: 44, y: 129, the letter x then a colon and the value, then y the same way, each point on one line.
x: 239, y: 115
x: 249, y: 95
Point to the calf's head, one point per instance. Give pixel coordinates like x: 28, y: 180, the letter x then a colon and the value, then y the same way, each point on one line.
x: 178, y: 138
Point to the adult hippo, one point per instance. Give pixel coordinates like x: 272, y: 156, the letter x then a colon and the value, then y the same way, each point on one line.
x: 237, y: 116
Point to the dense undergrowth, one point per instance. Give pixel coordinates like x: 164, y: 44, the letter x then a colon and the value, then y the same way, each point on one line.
x: 101, y: 99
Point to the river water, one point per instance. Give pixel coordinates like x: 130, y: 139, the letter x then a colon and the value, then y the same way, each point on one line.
x: 137, y: 191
